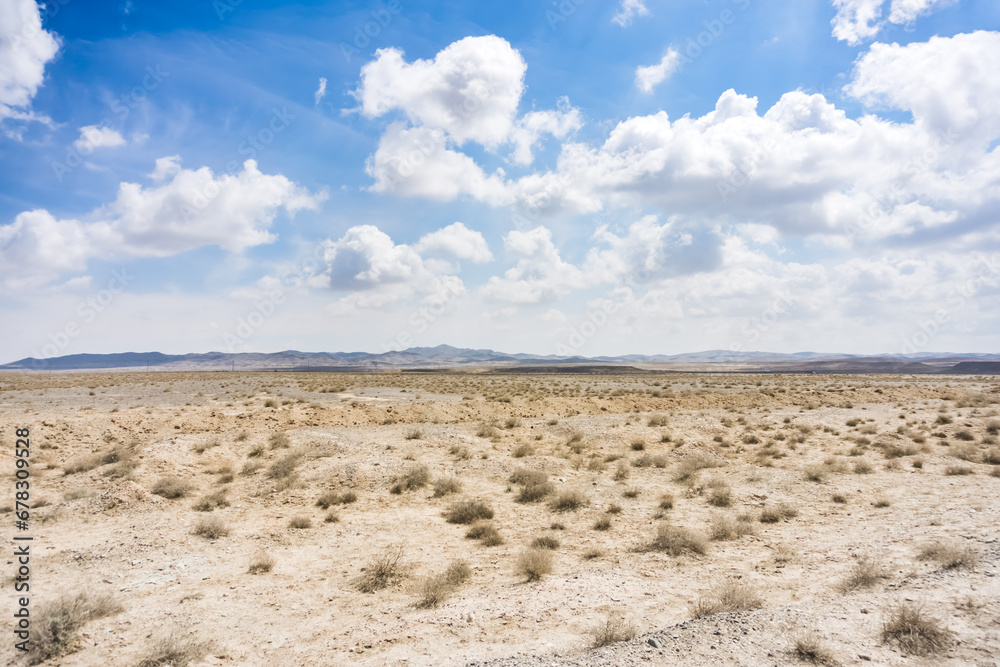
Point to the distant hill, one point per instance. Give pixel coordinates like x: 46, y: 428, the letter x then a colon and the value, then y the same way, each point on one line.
x: 445, y: 357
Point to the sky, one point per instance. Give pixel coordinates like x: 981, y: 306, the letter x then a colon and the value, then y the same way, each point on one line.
x: 580, y: 177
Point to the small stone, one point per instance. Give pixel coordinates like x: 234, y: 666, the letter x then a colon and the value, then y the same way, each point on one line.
x: 653, y: 642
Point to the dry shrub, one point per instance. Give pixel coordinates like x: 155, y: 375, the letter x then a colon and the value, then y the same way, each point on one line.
x: 992, y: 457
x: 864, y: 573
x: 656, y: 421
x: 284, y: 467
x: 863, y: 468
x: 300, y: 522
x: 382, y: 571
x: 676, y: 541
x: 729, y: 596
x: 907, y: 626
x: 621, y: 472
x: 438, y: 588
x: 172, y: 487
x: 949, y: 557
x: 211, y: 528
x: 808, y: 647
x: 415, y: 434
x: 521, y: 450
x: 690, y: 466
x: 261, y: 563
x: 604, y: 523
x: 958, y: 470
x: 414, y: 478
x: 487, y: 430
x: 535, y: 485
x: 775, y: 513
x: 569, y: 500
x: 613, y: 630
x: 724, y: 527
x: 174, y: 650
x: 993, y: 427
x: 545, y: 542
x: 211, y: 501
x: 486, y: 533
x: 468, y: 511
x: 279, y: 441
x: 721, y: 496
x: 666, y: 501
x: 55, y: 624
x: 533, y: 564
x: 444, y: 486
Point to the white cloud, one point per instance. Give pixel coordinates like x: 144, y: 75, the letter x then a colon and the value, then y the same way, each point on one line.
x: 470, y: 90
x: 540, y: 274
x: 321, y: 91
x: 192, y: 209
x: 949, y: 83
x: 647, y: 78
x: 458, y: 240
x: 857, y: 20
x: 25, y: 49
x: 907, y: 11
x: 93, y: 137
x: 534, y: 124
x: 628, y: 10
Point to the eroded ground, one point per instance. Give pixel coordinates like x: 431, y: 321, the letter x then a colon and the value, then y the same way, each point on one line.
x: 856, y: 471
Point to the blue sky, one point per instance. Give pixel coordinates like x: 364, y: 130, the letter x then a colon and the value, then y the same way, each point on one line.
x: 580, y: 177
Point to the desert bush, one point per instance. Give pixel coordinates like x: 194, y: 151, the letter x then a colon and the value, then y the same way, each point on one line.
x: 533, y: 564
x: 284, y: 467
x: 485, y: 533
x: 382, y: 570
x: 604, y: 523
x: 724, y: 527
x: 522, y: 449
x: 690, y: 466
x: 676, y: 541
x: 211, y: 528
x: 437, y: 589
x: 279, y: 441
x: 666, y: 501
x: 300, y: 522
x: 414, y: 478
x: 949, y: 557
x: 511, y: 422
x: 545, y: 542
x: 632, y: 492
x: 993, y: 427
x: 638, y: 445
x: 865, y: 572
x: 487, y: 430
x: 907, y: 626
x: 621, y: 472
x: 569, y: 500
x: 958, y: 470
x: 808, y: 647
x: 82, y: 464
x: 446, y: 485
x: 592, y: 553
x: 775, y: 513
x: 612, y: 631
x: 173, y: 650
x: 721, y: 496
x: 992, y: 457
x: 656, y: 421
x: 534, y: 485
x: 261, y: 563
x: 172, y: 487
x: 729, y: 596
x: 965, y: 436
x: 839, y: 498
x: 55, y: 624
x: 468, y: 511
x: 209, y: 502
x: 862, y: 468
x: 415, y: 434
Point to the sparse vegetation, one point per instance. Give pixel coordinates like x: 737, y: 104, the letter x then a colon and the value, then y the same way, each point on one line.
x: 172, y: 487
x: 468, y: 511
x: 261, y: 563
x: 55, y: 624
x: 611, y: 631
x: 909, y: 627
x: 381, y: 571
x: 412, y: 479
x: 676, y: 541
x: 732, y: 595
x: 533, y: 564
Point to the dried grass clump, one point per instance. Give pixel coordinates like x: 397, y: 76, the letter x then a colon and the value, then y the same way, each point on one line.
x: 486, y: 533
x: 211, y: 528
x: 172, y: 487
x: 382, y: 571
x: 331, y: 498
x: 613, y: 630
x: 545, y: 542
x: 949, y: 557
x: 775, y: 513
x: 468, y: 511
x: 730, y: 596
x: 444, y: 486
x: 55, y: 624
x: 533, y: 564
x: 690, y: 466
x: 261, y: 563
x: 211, y: 501
x: 907, y: 626
x: 569, y: 500
x: 724, y: 527
x: 535, y: 485
x: 808, y: 647
x: 411, y: 480
x: 864, y: 573
x: 174, y: 650
x: 438, y: 588
x: 676, y: 541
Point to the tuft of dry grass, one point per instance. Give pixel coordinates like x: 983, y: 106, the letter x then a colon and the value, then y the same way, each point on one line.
x: 438, y: 588
x: 521, y: 450
x: 907, y: 626
x: 533, y: 564
x: 173, y: 650
x: 724, y: 527
x: 864, y: 573
x: 676, y: 541
x: 612, y: 630
x: 666, y: 501
x: 411, y: 480
x: 211, y: 528
x: 382, y: 571
x: 949, y: 557
x: 300, y: 522
x: 690, y: 467
x: 775, y: 513
x: 535, y: 485
x: 55, y: 624
x: 261, y: 563
x: 808, y: 647
x: 958, y: 470
x: 172, y: 487
x: 604, y: 523
x: 732, y: 595
x: 211, y: 501
x: 545, y: 542
x: 569, y: 500
x: 486, y: 533
x: 444, y: 486
x: 468, y: 511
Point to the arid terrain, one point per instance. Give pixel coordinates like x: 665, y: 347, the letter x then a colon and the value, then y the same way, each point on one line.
x: 506, y: 519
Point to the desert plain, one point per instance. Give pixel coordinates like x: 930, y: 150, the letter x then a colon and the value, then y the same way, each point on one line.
x: 503, y: 518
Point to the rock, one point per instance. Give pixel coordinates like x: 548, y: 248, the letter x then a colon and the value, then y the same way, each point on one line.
x: 653, y: 642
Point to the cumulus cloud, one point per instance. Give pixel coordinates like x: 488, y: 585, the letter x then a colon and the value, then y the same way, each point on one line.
x: 93, y: 137
x: 470, y: 90
x: 25, y: 49
x: 860, y: 20
x: 540, y: 274
x: 628, y: 10
x: 533, y: 125
x: 186, y: 210
x: 458, y: 240
x: 647, y: 78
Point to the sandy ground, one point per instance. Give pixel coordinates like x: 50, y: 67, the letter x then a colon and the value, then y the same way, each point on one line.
x: 910, y: 457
